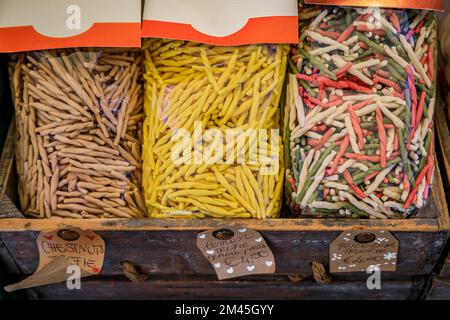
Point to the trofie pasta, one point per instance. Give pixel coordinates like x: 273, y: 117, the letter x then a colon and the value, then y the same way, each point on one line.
x: 78, y: 112
x: 79, y: 119
x: 360, y: 110
x: 212, y: 147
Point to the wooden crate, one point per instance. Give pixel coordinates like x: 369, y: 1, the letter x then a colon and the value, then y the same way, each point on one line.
x: 440, y: 283
x: 165, y: 250
x: 443, y: 135
x: 440, y: 289
x: 272, y: 287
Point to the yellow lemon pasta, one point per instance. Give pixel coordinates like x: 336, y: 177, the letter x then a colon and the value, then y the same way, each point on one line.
x: 212, y: 146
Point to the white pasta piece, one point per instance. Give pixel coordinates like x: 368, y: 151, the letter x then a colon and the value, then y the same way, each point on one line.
x: 360, y: 166
x: 390, y: 142
x: 327, y: 205
x: 378, y: 180
x: 350, y: 41
x: 336, y: 185
x: 415, y: 61
x: 387, y: 24
x: 298, y: 102
x: 354, y: 71
x: 316, y: 22
x: 311, y: 122
x: 391, y: 194
x: 397, y: 122
x: 325, y: 40
x: 304, y: 171
x: 352, y: 135
x: 313, y: 135
x: 417, y: 19
x: 366, y: 64
x: 334, y: 177
x: 395, y: 205
x: 316, y: 158
x: 340, y: 110
x: 372, y: 203
x: 337, y: 124
x: 381, y: 205
x: 420, y: 191
x: 431, y: 109
x: 361, y: 205
x: 417, y: 134
x: 338, y: 136
x: 347, y: 164
x: 321, y: 51
x: 318, y: 178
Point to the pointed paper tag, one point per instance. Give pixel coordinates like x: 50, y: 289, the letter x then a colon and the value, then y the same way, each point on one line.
x: 59, y: 250
x: 358, y: 251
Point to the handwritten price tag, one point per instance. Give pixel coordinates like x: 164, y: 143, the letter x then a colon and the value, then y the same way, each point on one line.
x: 356, y: 251
x: 58, y: 250
x: 82, y: 248
x: 236, y: 252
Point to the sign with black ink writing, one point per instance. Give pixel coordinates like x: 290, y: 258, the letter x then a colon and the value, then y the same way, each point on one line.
x: 236, y: 252
x: 82, y: 248
x: 60, y: 253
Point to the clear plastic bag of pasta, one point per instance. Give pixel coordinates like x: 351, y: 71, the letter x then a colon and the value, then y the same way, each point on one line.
x: 78, y: 125
x: 212, y: 145
x: 360, y: 112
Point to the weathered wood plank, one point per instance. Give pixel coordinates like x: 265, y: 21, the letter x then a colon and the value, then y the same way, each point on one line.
x: 207, y: 288
x: 8, y: 259
x: 445, y: 271
x: 443, y: 136
x: 440, y: 289
x: 420, y: 225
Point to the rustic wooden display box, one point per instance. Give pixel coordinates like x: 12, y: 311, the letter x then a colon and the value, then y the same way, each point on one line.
x: 165, y: 250
x: 440, y: 286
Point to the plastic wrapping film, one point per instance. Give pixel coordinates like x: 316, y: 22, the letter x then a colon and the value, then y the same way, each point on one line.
x: 359, y: 112
x: 197, y: 97
x: 79, y: 125
x: 5, y: 119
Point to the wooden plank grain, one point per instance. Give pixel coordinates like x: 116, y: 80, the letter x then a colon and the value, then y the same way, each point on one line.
x: 197, y: 289
x: 440, y: 289
x: 175, y: 252
x: 443, y: 136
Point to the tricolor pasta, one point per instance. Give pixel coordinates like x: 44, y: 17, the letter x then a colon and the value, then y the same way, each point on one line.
x: 359, y: 116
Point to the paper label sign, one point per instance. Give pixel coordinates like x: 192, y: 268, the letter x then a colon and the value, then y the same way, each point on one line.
x: 82, y: 248
x: 357, y: 251
x: 63, y: 252
x: 402, y: 4
x: 236, y: 252
x: 222, y: 22
x: 28, y: 25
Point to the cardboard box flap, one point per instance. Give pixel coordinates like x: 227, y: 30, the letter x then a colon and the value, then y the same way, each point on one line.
x: 222, y: 22
x: 44, y: 24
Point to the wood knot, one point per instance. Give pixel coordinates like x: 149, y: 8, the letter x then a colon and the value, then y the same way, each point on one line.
x: 130, y: 271
x: 320, y: 273
x: 296, y: 278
